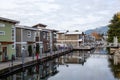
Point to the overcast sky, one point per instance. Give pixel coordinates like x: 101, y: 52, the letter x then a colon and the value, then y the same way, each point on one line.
x: 61, y: 14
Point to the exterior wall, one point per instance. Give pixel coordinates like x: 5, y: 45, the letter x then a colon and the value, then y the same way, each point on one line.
x: 69, y: 39
x: 18, y: 35
x: 18, y: 50
x: 54, y: 40
x: 44, y: 37
x: 60, y: 36
x: 25, y: 35
x: 7, y: 29
x: 7, y: 38
x: 22, y: 39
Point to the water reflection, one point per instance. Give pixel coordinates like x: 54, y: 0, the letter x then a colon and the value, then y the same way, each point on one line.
x: 114, y: 68
x: 37, y: 72
x: 79, y: 65
x: 78, y: 57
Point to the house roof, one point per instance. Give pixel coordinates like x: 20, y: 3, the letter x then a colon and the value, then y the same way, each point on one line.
x: 73, y: 33
x: 26, y: 27
x: 49, y: 30
x: 8, y: 20
x: 39, y: 24
x: 62, y: 32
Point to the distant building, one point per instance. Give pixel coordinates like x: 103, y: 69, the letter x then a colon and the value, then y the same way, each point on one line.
x: 46, y: 36
x: 7, y: 38
x: 70, y: 38
x: 88, y: 39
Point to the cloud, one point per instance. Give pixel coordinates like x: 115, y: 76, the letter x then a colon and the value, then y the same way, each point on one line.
x: 61, y: 14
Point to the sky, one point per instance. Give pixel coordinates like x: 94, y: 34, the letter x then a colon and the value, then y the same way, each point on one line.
x: 61, y: 14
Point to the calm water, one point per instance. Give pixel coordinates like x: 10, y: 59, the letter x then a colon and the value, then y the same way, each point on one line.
x: 73, y: 66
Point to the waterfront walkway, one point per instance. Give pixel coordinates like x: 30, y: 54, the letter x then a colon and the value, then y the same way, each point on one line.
x: 6, y: 66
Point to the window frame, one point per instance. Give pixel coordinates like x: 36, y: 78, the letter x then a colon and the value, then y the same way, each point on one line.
x: 2, y: 25
x: 2, y: 32
x: 28, y: 34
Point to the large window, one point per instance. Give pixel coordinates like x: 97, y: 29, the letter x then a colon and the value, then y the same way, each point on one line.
x: 48, y: 36
x: 44, y: 35
x: 2, y: 25
x: 35, y: 35
x: 29, y: 33
x: 2, y: 32
x: 55, y: 35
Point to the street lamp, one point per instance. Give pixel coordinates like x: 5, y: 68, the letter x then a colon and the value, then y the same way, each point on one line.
x: 23, y: 56
x: 12, y: 58
x: 33, y: 52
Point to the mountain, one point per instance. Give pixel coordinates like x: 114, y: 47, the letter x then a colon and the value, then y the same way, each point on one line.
x: 101, y: 30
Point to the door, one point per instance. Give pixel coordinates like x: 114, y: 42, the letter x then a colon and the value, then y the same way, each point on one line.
x: 4, y: 54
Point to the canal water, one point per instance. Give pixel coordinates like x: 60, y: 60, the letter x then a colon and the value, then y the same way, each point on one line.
x: 79, y: 65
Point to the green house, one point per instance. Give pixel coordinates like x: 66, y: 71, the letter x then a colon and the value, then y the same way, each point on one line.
x: 7, y: 38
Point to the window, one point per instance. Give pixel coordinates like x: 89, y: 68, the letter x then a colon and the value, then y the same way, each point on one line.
x: 80, y: 36
x: 2, y: 25
x: 44, y: 35
x: 2, y: 32
x: 29, y: 33
x: 35, y: 35
x: 13, y: 34
x: 13, y: 46
x: 57, y: 36
x: 48, y: 36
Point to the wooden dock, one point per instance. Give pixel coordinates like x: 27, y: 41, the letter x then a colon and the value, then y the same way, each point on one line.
x: 7, y: 68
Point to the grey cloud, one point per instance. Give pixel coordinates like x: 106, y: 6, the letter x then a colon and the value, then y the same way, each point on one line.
x: 61, y: 14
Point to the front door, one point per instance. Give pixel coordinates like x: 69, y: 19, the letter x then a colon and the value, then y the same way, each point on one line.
x: 4, y: 54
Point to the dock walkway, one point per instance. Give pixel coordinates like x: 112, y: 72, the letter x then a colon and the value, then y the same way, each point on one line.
x: 5, y: 67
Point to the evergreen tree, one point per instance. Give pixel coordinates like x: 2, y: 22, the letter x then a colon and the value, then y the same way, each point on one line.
x: 114, y: 28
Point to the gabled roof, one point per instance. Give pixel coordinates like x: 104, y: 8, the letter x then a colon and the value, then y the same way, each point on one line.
x: 73, y: 33
x: 39, y: 24
x: 8, y: 20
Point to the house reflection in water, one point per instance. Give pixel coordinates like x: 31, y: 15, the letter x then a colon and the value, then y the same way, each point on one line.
x: 37, y: 72
x: 79, y: 57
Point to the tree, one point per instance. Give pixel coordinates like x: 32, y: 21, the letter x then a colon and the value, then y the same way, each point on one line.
x: 114, y: 28
x: 30, y: 50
